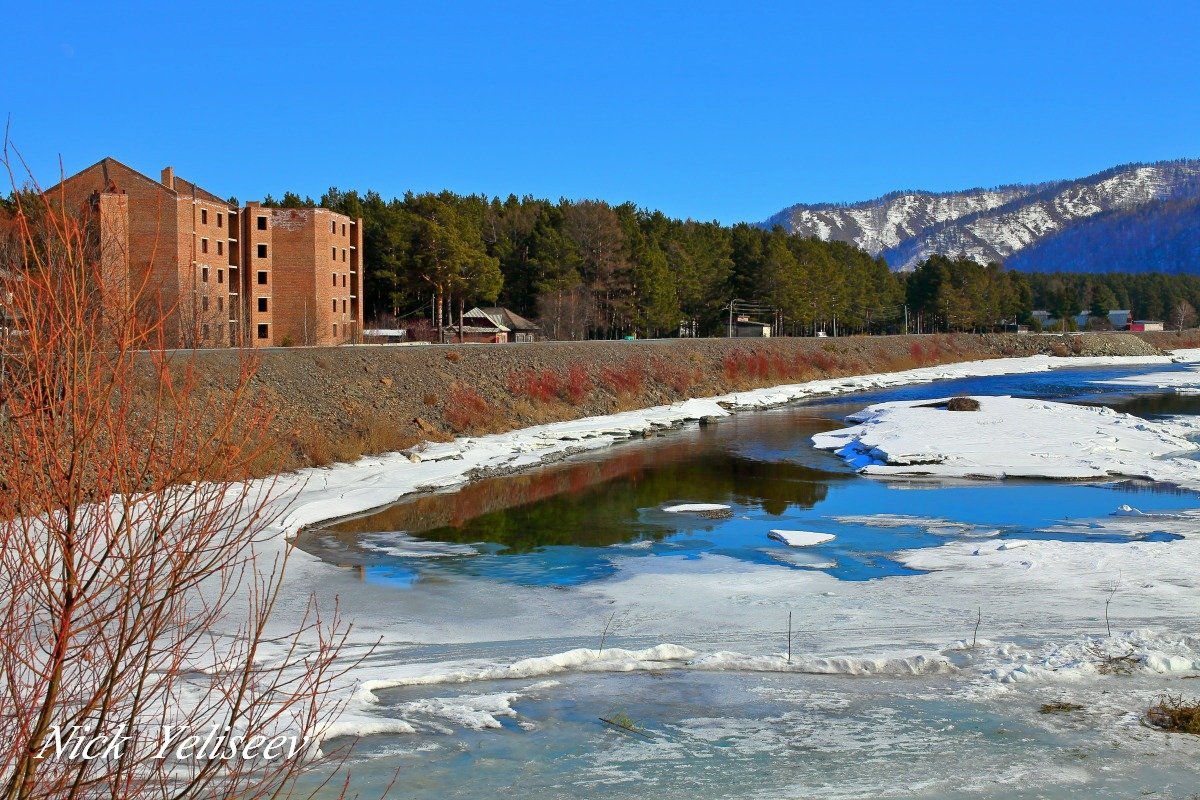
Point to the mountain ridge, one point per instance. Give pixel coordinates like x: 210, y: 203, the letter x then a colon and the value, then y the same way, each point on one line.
x: 987, y: 224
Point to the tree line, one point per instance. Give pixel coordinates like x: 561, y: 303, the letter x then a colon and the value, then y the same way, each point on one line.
x: 590, y: 269
x: 1170, y: 298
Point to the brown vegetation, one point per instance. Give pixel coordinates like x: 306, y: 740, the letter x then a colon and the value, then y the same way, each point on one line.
x: 130, y: 558
x: 1173, y: 713
x: 336, y: 403
x: 962, y: 404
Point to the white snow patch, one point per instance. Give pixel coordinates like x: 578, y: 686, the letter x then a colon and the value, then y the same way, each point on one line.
x: 1011, y: 437
x: 695, y: 508
x: 800, y: 538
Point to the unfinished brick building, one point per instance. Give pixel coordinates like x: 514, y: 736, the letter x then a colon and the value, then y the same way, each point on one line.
x: 229, y: 276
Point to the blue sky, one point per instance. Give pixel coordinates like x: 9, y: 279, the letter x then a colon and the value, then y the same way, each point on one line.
x: 704, y: 110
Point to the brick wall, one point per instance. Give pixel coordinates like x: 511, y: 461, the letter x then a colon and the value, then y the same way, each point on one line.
x: 252, y: 276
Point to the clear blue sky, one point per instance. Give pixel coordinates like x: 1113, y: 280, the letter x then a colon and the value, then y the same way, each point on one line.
x: 711, y: 111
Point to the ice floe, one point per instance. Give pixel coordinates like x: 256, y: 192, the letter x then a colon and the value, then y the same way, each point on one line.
x: 1011, y: 437
x: 696, y: 508
x: 800, y: 538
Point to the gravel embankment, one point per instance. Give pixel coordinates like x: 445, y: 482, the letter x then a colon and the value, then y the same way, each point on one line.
x: 337, y: 403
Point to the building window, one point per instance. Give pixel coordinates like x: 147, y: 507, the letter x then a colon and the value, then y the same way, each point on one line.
x: 262, y: 304
x: 335, y: 279
x: 220, y: 276
x: 220, y: 303
x: 220, y: 220
x: 262, y: 223
x: 343, y: 281
x: 343, y: 306
x: 220, y: 247
x: 204, y: 330
x: 335, y: 330
x: 333, y: 226
x: 262, y: 251
x: 204, y: 303
x: 343, y: 254
x: 262, y: 331
x: 335, y: 306
x: 343, y: 229
x: 333, y: 253
x: 262, y: 278
x: 204, y: 274
x: 204, y: 216
x: 204, y: 245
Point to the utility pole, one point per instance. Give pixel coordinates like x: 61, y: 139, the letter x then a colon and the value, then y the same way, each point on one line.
x: 906, y: 319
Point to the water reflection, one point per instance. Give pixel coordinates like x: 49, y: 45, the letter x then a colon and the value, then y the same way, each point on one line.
x: 577, y: 521
x: 596, y: 502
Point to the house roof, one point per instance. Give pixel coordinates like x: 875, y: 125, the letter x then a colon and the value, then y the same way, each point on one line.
x: 503, y: 319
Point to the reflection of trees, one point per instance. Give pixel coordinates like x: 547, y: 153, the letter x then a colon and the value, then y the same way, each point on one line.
x: 1150, y: 405
x: 596, y: 503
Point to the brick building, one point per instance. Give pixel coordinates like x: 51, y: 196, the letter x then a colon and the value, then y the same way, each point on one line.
x: 230, y: 276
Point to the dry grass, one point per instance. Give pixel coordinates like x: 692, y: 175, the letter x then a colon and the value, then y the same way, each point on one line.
x: 1059, y: 708
x: 1173, y: 713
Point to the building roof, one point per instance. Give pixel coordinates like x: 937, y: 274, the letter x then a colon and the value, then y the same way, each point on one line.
x: 502, y: 319
x: 115, y: 173
x: 187, y: 188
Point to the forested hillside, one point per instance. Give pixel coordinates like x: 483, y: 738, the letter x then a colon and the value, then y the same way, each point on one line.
x: 1163, y: 236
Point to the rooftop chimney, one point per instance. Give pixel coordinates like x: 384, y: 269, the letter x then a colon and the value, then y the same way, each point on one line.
x: 168, y: 177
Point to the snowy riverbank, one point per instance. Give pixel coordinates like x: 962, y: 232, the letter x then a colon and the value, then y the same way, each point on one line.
x: 316, y: 495
x: 1042, y: 602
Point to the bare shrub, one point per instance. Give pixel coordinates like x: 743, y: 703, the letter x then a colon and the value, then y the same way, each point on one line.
x: 136, y: 578
x: 466, y: 410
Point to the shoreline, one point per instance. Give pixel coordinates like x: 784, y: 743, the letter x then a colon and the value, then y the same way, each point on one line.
x: 334, y: 405
x: 432, y: 466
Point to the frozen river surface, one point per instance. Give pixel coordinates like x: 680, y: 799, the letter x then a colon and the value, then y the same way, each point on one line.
x: 926, y: 634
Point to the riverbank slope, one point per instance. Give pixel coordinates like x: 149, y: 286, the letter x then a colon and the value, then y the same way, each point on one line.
x: 339, y: 403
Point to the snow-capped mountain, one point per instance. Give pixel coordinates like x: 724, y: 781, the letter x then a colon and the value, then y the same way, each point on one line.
x: 987, y: 224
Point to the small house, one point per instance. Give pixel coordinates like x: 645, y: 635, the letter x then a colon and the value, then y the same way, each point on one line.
x: 1119, y: 318
x: 751, y: 329
x: 385, y: 335
x: 498, y: 325
x: 1145, y: 325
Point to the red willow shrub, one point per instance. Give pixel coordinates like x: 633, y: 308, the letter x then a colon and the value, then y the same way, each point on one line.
x: 931, y: 353
x: 547, y: 385
x: 579, y: 384
x: 746, y: 365
x: 540, y: 385
x: 624, y: 379
x: 466, y: 409
x: 682, y: 380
